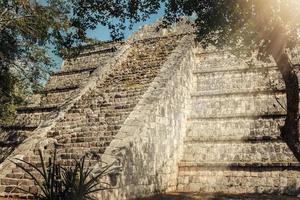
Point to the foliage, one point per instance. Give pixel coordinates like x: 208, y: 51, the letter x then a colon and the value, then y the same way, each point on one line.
x: 265, y: 28
x: 11, y: 94
x: 78, y: 182
x: 60, y: 183
x: 240, y: 23
x: 24, y: 40
x: 30, y: 28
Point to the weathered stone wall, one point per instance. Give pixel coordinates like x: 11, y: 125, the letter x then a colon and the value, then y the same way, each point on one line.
x: 149, y: 144
x: 12, y: 136
x: 92, y: 123
x: 168, y: 115
x: 233, y: 142
x: 91, y: 113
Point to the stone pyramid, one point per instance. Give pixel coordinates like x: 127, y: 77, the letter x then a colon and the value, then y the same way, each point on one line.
x: 168, y: 114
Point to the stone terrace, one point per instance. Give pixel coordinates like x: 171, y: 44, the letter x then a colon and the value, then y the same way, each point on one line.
x: 233, y: 142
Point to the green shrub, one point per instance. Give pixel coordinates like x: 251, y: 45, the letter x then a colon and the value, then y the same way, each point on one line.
x: 60, y: 183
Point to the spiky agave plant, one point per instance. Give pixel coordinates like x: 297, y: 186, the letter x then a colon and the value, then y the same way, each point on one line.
x: 48, y: 179
x: 80, y: 184
x: 59, y: 183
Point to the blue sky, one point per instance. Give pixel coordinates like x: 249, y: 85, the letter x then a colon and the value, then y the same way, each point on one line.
x: 102, y: 33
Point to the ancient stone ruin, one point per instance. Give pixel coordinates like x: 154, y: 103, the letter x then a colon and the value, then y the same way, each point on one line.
x: 170, y: 115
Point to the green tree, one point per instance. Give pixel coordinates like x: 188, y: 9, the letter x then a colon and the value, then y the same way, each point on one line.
x: 25, y: 33
x: 29, y: 27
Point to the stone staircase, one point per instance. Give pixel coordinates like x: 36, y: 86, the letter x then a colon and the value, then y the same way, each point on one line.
x: 233, y: 142
x: 46, y: 105
x: 92, y: 122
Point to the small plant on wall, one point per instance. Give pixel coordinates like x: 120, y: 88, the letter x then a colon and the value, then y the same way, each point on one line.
x: 55, y: 182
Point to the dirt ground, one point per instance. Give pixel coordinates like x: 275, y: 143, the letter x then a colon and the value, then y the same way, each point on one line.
x: 201, y: 196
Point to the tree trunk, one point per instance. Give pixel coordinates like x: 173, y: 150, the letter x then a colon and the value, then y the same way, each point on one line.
x: 290, y: 130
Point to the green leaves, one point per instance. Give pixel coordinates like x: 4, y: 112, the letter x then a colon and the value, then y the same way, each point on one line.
x: 55, y: 182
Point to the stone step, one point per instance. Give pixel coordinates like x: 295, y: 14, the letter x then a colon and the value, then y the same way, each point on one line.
x: 78, y: 156
x: 11, y: 192
x: 119, y: 79
x: 239, y: 177
x: 264, y: 151
x: 229, y: 82
x: 16, y: 128
x: 74, y: 72
x: 228, y: 93
x: 86, y: 145
x: 237, y: 105
x: 99, y: 51
x: 218, y: 61
x: 69, y: 153
x: 146, y: 65
x: 186, y: 167
x: 129, y: 88
x: 56, y: 98
x: 233, y: 128
x: 95, y: 59
x: 88, y: 137
x: 22, y: 175
x: 13, y: 181
x: 66, y: 81
x: 34, y: 109
x: 12, y: 140
x: 225, y: 60
x: 33, y: 100
x: 251, y: 139
x: 60, y: 89
x: 31, y: 118
x: 72, y: 162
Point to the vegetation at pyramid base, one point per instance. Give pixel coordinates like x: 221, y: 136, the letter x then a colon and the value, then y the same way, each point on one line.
x: 55, y: 182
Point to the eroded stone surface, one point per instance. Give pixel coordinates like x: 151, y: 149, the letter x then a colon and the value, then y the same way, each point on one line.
x: 233, y: 142
x: 168, y: 114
